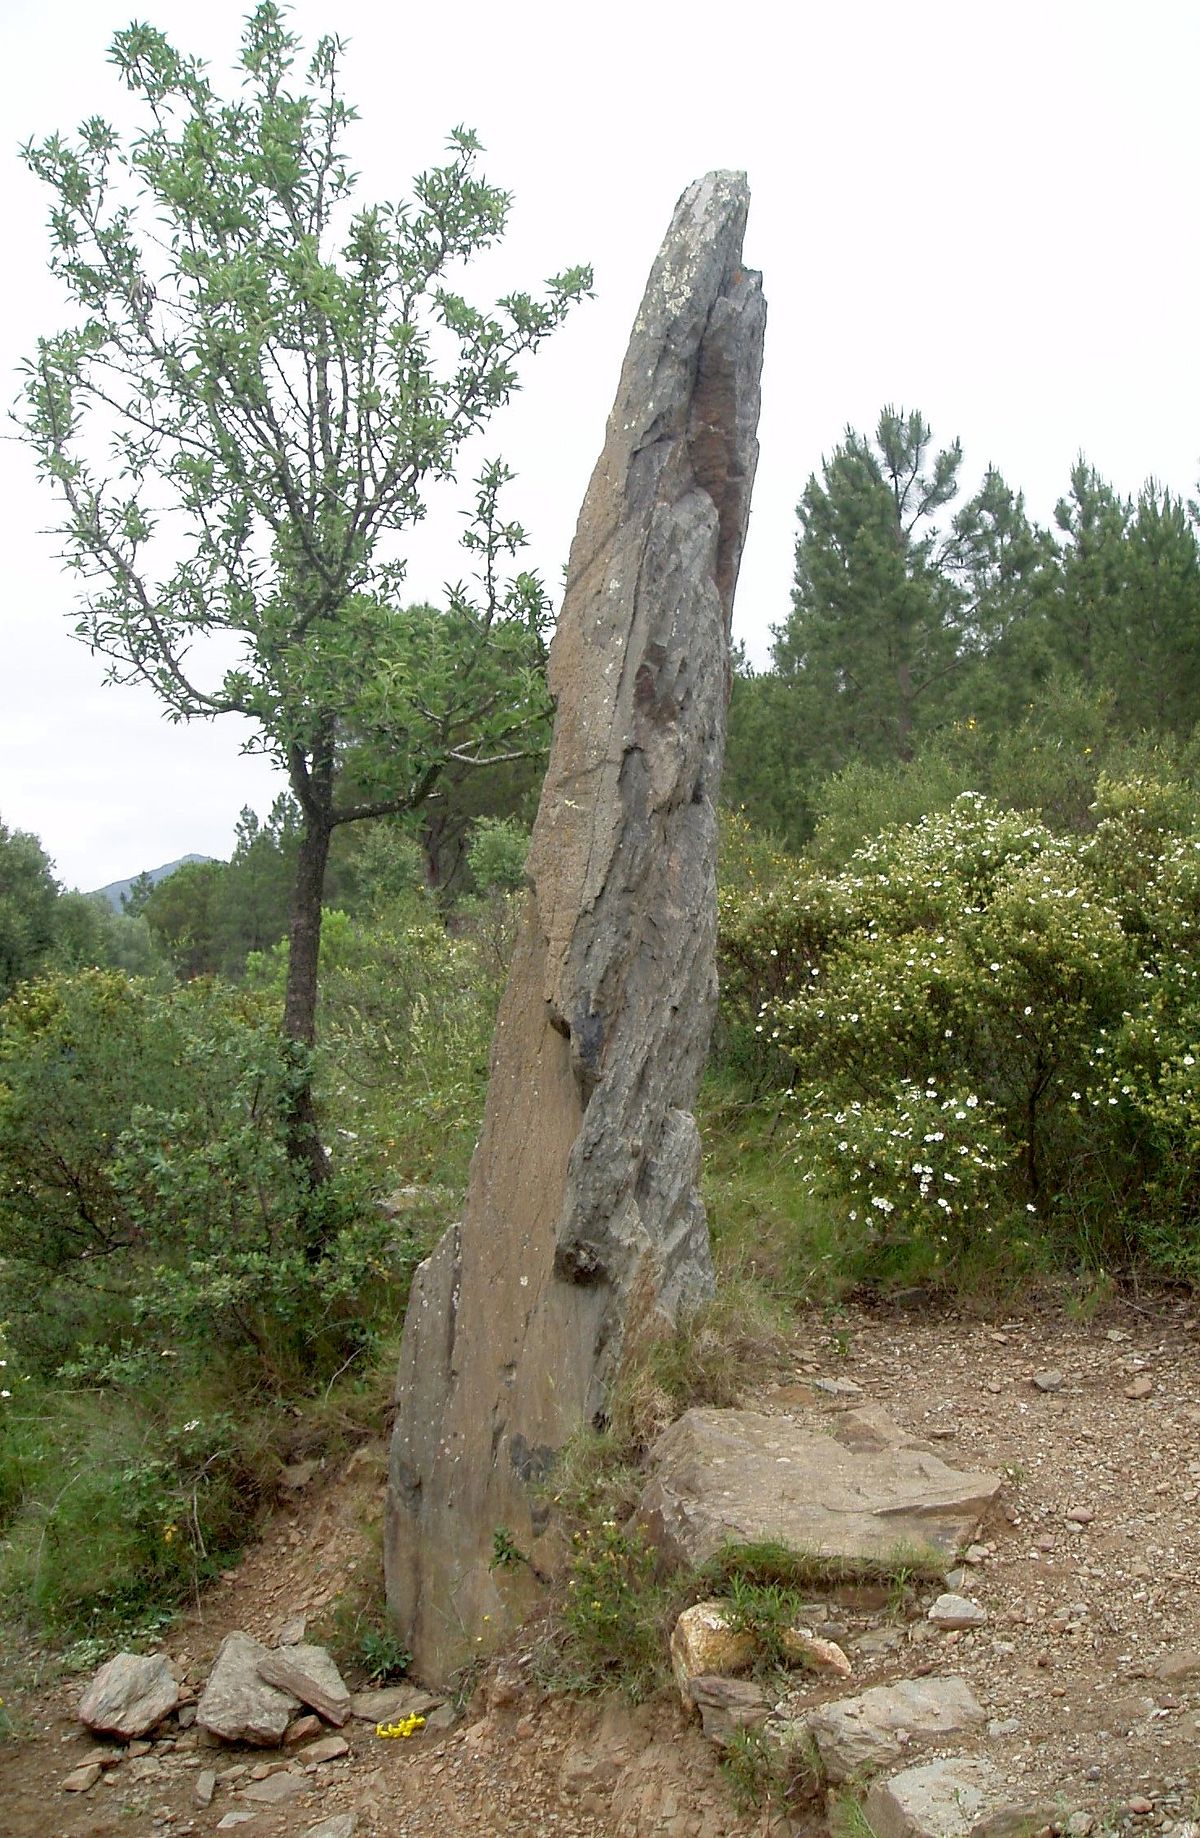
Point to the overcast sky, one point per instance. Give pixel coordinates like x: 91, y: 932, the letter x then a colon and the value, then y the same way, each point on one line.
x: 987, y: 213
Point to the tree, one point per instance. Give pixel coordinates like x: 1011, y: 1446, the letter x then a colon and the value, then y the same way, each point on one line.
x: 892, y: 600
x: 1127, y: 611
x: 29, y: 897
x: 280, y: 376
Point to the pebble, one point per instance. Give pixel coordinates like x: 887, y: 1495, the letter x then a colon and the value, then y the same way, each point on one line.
x: 957, y: 1611
x: 1139, y: 1804
x: 204, y: 1786
x: 1140, y: 1388
x: 1051, y: 1380
x: 1080, y: 1515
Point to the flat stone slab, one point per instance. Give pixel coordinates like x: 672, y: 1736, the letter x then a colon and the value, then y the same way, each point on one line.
x: 310, y: 1674
x: 129, y: 1695
x: 388, y: 1703
x: 342, y: 1825
x: 236, y: 1703
x: 959, y: 1798
x: 277, y: 1789
x: 873, y: 1730
x: 739, y: 1476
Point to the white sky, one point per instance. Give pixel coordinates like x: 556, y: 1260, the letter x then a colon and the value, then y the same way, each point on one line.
x: 984, y: 212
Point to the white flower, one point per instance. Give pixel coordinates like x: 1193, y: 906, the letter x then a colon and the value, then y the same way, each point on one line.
x: 884, y: 1205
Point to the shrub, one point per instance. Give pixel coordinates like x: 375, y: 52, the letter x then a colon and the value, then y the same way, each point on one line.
x: 146, y: 1196
x: 991, y: 1030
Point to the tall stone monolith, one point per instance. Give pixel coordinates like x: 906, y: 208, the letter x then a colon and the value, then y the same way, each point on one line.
x: 583, y: 1229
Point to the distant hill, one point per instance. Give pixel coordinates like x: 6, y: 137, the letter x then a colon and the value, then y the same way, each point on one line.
x: 116, y: 889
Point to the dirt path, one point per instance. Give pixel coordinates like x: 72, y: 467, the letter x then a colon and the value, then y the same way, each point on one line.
x: 1088, y: 1667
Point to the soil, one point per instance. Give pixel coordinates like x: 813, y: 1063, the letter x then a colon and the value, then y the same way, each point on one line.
x: 1088, y: 1666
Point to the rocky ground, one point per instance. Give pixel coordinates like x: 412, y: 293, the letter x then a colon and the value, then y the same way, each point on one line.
x: 1087, y: 1666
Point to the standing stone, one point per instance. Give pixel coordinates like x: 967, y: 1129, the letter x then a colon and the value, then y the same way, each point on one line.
x: 583, y: 1229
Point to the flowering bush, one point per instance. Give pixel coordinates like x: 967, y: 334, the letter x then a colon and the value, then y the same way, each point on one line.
x: 991, y: 1029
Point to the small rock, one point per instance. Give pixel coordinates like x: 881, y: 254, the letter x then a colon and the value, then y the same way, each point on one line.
x: 1080, y: 1515
x: 204, y: 1786
x: 800, y: 1647
x: 1004, y: 1726
x: 443, y: 1718
x: 303, y: 1728
x: 957, y: 1611
x: 1182, y: 1663
x: 277, y: 1789
x: 83, y: 1778
x: 292, y: 1632
x: 1139, y: 1804
x: 342, y: 1825
x: 837, y: 1387
x: 235, y: 1818
x: 330, y: 1748
x: 129, y: 1695
x: 729, y: 1704
x: 389, y: 1703
x: 1079, y: 1825
x: 1140, y: 1388
x: 976, y: 1554
x: 947, y: 1799
x: 1051, y: 1380
x: 703, y: 1644
x: 879, y: 1640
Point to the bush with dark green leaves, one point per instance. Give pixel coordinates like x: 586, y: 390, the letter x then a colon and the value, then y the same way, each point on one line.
x: 147, y: 1201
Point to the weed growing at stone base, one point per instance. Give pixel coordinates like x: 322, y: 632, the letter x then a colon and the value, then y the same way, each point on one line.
x: 615, y: 1614
x: 360, y: 1636
x: 847, y: 1818
x: 750, y: 1767
x: 770, y: 1566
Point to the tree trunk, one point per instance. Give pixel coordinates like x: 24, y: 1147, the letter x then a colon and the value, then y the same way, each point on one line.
x: 300, y: 1001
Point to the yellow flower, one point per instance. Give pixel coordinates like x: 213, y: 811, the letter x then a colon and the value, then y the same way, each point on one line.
x: 407, y: 1726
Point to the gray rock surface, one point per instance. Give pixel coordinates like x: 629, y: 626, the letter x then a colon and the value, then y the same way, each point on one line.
x: 728, y: 1704
x: 83, y: 1778
x: 870, y: 1731
x: 583, y: 1229
x: 957, y: 1611
x: 129, y: 1695
x: 388, y: 1703
x: 310, y: 1674
x: 277, y: 1789
x: 957, y: 1798
x: 342, y: 1825
x: 236, y: 1703
x: 740, y: 1475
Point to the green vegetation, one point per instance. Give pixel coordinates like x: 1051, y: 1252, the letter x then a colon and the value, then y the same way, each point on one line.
x: 173, y: 1334
x: 959, y: 908
x: 280, y: 378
